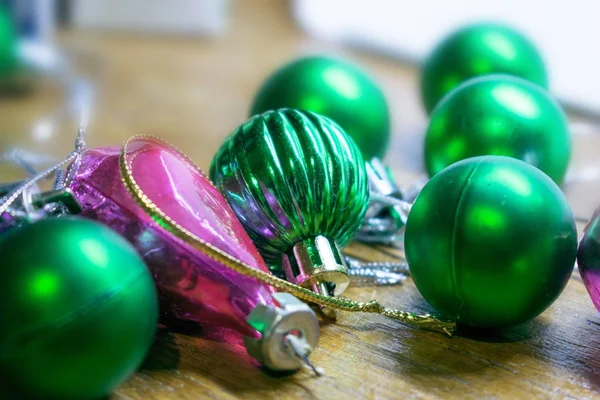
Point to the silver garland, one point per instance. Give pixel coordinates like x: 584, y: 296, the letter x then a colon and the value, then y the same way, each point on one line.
x: 379, y: 273
x: 19, y: 198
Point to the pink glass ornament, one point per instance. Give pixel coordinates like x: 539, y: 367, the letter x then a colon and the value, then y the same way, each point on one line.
x: 192, y: 286
x: 588, y: 258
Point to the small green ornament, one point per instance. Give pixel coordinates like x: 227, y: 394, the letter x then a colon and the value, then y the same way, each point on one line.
x: 78, y: 310
x: 491, y: 242
x: 298, y: 184
x: 335, y: 89
x: 477, y: 50
x: 8, y: 44
x: 499, y: 115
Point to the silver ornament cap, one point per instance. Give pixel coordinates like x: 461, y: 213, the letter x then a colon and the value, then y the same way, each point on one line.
x: 289, y: 332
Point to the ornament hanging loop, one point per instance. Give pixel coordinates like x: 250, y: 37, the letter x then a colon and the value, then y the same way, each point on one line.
x: 294, y: 342
x: 388, y: 210
x: 58, y: 193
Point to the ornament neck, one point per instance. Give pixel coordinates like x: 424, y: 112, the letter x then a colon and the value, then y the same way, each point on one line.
x: 380, y: 181
x: 34, y: 204
x: 388, y: 206
x: 317, y: 263
x: 62, y: 195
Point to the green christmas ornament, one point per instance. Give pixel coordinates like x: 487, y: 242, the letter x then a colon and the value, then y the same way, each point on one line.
x: 476, y: 50
x: 78, y: 310
x: 499, y: 115
x: 8, y: 44
x: 335, y: 89
x: 491, y: 242
x: 298, y: 184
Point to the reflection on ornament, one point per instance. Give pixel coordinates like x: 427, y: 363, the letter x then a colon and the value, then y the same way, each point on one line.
x: 78, y: 309
x: 477, y: 50
x: 499, y: 115
x: 297, y: 183
x: 490, y: 242
x: 335, y: 89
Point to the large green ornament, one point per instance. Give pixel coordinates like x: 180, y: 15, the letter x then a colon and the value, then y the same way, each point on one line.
x: 491, y: 242
x: 499, y: 115
x: 78, y: 310
x: 298, y: 184
x: 335, y: 89
x: 477, y: 50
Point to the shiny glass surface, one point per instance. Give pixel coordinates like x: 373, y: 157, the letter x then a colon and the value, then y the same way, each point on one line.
x: 192, y: 286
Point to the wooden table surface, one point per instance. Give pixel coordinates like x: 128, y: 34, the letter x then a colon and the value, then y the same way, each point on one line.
x: 195, y: 91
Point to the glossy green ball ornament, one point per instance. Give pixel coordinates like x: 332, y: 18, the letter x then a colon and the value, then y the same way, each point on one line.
x: 476, y: 50
x: 8, y: 44
x: 78, y: 310
x: 335, y: 89
x: 491, y: 242
x: 499, y: 115
x: 298, y: 184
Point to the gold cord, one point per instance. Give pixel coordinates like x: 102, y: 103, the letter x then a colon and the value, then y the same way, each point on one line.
x: 425, y: 321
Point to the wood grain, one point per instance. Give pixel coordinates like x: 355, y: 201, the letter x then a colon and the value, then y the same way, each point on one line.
x: 193, y: 92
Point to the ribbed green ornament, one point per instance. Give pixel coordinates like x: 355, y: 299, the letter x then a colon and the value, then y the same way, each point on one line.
x: 298, y: 184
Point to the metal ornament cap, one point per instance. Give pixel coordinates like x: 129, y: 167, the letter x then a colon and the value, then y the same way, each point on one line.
x: 293, y: 317
x: 317, y: 264
x: 380, y: 182
x: 26, y: 199
x: 380, y: 179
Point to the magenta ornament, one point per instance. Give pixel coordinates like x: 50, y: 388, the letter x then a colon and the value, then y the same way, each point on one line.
x: 588, y: 258
x: 191, y: 285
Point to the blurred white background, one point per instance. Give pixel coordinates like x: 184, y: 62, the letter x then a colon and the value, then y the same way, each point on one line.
x: 566, y: 32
